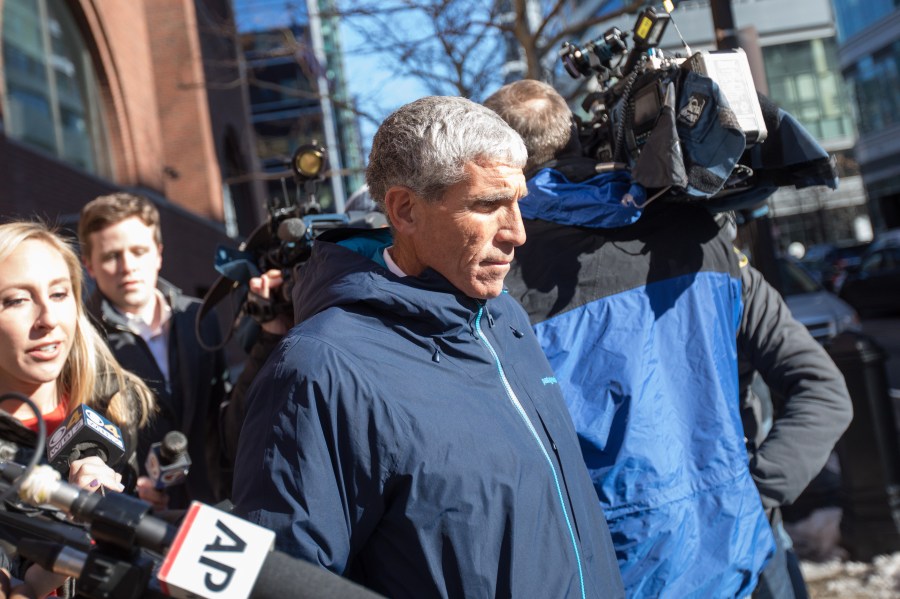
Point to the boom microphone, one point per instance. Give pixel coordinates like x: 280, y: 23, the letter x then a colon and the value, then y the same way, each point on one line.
x: 115, y: 518
x: 168, y: 462
x: 85, y: 433
x: 217, y: 554
x: 212, y: 555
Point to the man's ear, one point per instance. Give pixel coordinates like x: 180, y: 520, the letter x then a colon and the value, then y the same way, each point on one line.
x: 400, y: 204
x: 87, y: 266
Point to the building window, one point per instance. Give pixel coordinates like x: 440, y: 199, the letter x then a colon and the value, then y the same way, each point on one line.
x: 875, y: 82
x: 803, y: 79
x: 852, y: 16
x: 51, y: 102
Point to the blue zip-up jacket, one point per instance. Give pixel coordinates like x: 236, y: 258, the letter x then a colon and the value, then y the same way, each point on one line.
x: 638, y: 314
x: 415, y: 440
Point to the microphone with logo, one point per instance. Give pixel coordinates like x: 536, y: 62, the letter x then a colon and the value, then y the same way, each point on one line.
x: 211, y: 555
x: 85, y: 433
x: 168, y: 462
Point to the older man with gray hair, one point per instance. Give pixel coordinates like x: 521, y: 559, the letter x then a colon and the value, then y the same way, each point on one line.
x: 408, y: 433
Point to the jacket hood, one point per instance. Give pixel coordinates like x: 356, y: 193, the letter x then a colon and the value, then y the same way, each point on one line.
x: 595, y: 202
x: 352, y: 273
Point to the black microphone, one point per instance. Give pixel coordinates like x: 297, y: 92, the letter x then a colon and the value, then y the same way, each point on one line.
x: 100, y: 572
x: 85, y: 433
x: 286, y: 576
x: 212, y: 554
x: 127, y: 576
x: 292, y: 229
x: 115, y: 518
x: 168, y: 462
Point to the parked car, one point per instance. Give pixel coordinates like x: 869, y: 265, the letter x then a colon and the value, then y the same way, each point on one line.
x: 874, y: 287
x: 819, y: 310
x: 830, y: 262
x: 889, y: 238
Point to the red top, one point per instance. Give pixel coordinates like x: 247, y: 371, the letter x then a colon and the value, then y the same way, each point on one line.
x: 52, y: 420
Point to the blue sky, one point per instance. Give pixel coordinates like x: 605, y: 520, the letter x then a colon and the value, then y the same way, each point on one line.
x: 377, y: 90
x: 370, y: 80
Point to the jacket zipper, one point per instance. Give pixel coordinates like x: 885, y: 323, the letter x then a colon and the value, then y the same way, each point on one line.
x: 521, y: 411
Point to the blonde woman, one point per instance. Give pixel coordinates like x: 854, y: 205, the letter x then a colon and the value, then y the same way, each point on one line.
x: 50, y: 352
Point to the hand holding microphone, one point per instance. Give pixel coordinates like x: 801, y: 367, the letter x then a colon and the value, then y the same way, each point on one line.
x: 85, y: 447
x: 167, y: 464
x: 93, y: 475
x: 212, y: 554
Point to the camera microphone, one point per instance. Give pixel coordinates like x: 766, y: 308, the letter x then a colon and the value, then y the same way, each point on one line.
x: 168, y: 462
x: 292, y: 229
x: 85, y: 433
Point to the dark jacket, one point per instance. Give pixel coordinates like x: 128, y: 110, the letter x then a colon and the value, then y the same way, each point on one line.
x: 198, y: 385
x: 638, y: 313
x: 811, y: 403
x: 415, y: 440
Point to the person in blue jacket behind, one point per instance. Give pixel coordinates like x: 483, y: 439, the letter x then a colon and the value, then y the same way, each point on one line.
x: 408, y: 432
x: 644, y: 314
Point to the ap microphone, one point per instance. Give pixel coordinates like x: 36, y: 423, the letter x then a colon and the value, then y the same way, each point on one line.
x: 216, y: 554
x: 168, y: 462
x: 85, y: 433
x: 213, y: 554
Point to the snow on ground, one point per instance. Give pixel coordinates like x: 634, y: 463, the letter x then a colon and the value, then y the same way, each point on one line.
x: 826, y: 570
x: 854, y: 580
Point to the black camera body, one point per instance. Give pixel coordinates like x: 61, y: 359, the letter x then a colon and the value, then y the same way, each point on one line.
x: 283, y: 242
x: 626, y: 109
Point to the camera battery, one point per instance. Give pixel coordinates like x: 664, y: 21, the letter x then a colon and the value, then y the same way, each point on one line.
x: 731, y: 72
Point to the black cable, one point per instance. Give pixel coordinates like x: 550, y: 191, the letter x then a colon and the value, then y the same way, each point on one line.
x: 39, y: 448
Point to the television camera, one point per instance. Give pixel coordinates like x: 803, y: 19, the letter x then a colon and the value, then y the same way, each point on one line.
x: 282, y: 242
x: 646, y: 100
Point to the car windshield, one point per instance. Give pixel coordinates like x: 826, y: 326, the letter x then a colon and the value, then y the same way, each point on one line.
x: 795, y: 279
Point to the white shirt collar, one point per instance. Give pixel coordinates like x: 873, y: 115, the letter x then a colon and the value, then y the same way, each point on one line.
x: 140, y: 325
x: 392, y: 266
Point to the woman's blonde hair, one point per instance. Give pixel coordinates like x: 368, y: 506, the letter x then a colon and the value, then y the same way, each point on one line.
x: 91, y: 374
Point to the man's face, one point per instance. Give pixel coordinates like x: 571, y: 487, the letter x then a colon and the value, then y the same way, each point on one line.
x: 125, y: 261
x: 469, y: 236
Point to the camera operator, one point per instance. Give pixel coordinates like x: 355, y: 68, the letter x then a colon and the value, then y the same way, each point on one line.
x: 271, y: 331
x: 51, y: 354
x: 644, y: 313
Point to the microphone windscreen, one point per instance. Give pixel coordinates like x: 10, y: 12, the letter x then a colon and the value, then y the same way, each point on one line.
x: 292, y: 229
x: 174, y: 444
x: 85, y: 432
x: 286, y: 576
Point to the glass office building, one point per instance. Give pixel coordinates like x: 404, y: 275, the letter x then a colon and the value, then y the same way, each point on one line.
x: 284, y: 75
x: 869, y: 58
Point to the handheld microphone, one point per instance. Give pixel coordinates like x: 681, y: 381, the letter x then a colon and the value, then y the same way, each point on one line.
x: 168, y: 462
x: 85, y: 433
x: 116, y: 518
x: 213, y: 554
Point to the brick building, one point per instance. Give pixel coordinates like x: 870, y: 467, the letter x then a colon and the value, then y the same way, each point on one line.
x: 143, y: 95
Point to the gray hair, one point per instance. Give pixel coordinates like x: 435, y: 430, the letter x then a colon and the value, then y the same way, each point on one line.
x: 426, y: 144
